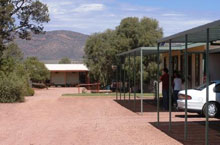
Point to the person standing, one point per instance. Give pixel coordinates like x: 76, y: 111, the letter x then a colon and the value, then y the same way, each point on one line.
x: 165, y: 88
x: 177, y: 87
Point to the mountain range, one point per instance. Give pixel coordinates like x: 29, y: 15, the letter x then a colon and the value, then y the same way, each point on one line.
x: 54, y: 45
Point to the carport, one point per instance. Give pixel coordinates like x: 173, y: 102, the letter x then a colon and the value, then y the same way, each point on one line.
x: 139, y: 52
x: 208, y: 33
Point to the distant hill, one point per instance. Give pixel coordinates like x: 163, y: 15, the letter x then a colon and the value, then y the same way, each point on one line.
x: 54, y: 45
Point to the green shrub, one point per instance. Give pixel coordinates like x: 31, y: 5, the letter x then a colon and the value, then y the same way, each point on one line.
x: 11, y: 88
x: 36, y: 69
x: 30, y: 92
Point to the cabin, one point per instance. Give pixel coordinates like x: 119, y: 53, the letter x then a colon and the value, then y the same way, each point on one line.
x: 68, y: 74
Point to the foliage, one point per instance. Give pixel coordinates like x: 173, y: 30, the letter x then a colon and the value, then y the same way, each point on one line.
x: 21, y: 17
x: 100, y: 55
x: 101, y: 48
x: 14, y: 52
x: 15, y: 83
x: 11, y: 88
x: 36, y: 69
x: 65, y: 60
x: 30, y: 92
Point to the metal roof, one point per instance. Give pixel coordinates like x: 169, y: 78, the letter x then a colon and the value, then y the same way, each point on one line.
x: 196, y: 35
x: 66, y: 67
x: 153, y: 50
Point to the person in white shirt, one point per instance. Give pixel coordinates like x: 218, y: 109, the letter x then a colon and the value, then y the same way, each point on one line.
x: 177, y: 82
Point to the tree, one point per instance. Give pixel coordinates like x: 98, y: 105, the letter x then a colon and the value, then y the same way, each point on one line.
x: 14, y: 52
x: 101, y: 48
x: 36, y: 69
x: 100, y: 53
x: 20, y: 18
x: 65, y: 60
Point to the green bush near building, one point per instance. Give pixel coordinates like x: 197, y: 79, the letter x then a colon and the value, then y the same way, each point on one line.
x: 11, y: 89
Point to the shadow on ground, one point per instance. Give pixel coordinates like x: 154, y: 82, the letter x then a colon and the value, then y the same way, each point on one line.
x: 196, y: 132
x: 149, y: 105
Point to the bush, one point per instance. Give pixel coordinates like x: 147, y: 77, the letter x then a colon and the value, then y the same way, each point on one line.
x: 36, y: 69
x: 11, y: 89
x: 29, y: 92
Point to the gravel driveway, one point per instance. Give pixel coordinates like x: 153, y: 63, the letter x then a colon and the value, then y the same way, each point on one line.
x: 49, y: 119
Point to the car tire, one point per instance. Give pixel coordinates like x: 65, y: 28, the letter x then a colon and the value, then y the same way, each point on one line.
x: 213, y: 109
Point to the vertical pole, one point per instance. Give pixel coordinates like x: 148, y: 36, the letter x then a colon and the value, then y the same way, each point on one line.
x: 141, y: 81
x: 186, y: 87
x: 116, y: 82
x: 134, y: 81
x: 207, y: 90
x: 124, y: 77
x: 65, y: 78
x: 170, y: 83
x: 129, y: 85
x: 158, y: 82
x: 120, y: 78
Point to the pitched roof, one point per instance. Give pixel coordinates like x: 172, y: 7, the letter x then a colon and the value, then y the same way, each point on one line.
x: 66, y: 67
x: 197, y: 34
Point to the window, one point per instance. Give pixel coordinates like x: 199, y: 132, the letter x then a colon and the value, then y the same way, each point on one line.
x: 217, y: 88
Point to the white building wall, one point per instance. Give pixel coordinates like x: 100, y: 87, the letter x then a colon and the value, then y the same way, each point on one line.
x: 62, y: 78
x: 72, y: 78
x: 58, y: 77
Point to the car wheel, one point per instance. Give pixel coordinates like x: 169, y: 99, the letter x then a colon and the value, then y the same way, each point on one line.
x: 213, y: 109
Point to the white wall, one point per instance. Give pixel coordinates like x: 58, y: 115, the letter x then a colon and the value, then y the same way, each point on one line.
x: 58, y: 77
x: 65, y: 78
x: 72, y: 77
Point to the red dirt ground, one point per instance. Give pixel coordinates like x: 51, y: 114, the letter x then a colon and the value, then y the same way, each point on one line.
x: 49, y: 119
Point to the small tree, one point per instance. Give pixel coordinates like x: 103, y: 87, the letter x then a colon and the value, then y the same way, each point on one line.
x: 36, y: 69
x: 65, y: 60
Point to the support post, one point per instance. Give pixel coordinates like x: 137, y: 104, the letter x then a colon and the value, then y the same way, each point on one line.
x: 116, y: 82
x: 124, y: 77
x: 129, y: 80
x: 207, y: 89
x: 170, y: 83
x: 141, y: 81
x: 134, y: 75
x: 120, y: 77
x: 158, y: 82
x: 186, y: 87
x: 65, y: 79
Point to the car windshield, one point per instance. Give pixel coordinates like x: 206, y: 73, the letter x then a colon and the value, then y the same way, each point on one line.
x: 203, y: 86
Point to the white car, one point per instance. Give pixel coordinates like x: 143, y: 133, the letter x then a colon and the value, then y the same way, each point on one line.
x: 196, y: 99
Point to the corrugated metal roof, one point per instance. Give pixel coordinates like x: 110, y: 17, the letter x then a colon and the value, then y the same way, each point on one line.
x: 66, y: 67
x: 153, y: 50
x: 197, y: 34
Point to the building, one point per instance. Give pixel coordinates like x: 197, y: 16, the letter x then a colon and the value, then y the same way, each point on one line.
x: 68, y: 74
x: 196, y: 63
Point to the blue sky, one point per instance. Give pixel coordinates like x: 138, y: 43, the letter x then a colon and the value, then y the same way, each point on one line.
x: 90, y: 16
